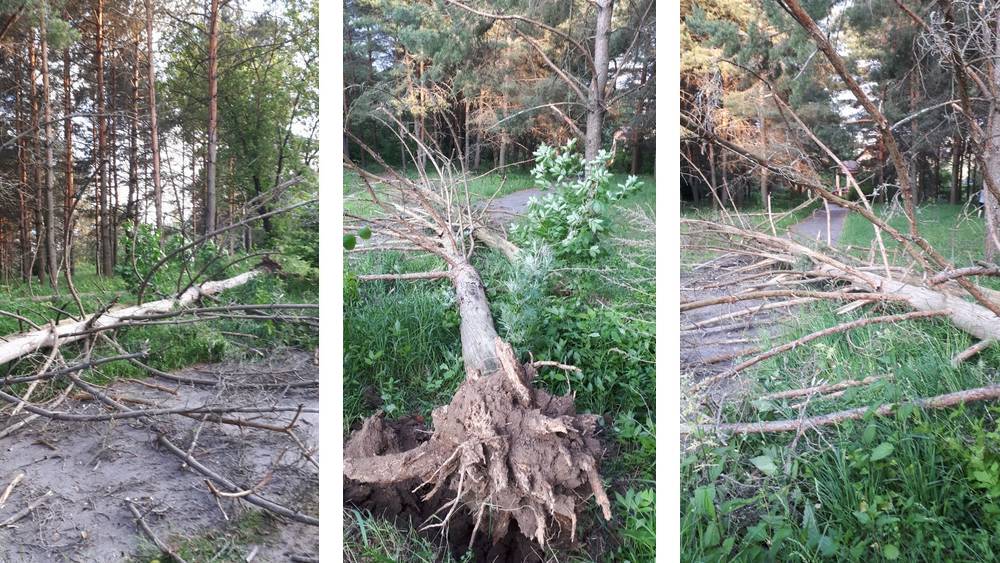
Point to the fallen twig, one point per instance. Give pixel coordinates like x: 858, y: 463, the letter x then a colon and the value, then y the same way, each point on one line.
x: 989, y: 393
x: 813, y: 336
x: 160, y: 544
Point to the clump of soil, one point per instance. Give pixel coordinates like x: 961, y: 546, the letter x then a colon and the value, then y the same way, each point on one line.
x: 94, y: 469
x: 507, y: 459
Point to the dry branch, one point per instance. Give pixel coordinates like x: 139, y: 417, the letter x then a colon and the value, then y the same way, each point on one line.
x: 989, y: 393
x: 813, y: 336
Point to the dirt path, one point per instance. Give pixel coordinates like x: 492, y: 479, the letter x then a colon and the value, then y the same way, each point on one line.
x: 94, y: 468
x: 709, y: 347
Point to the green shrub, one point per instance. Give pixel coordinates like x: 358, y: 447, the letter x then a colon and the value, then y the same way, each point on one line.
x: 575, y: 215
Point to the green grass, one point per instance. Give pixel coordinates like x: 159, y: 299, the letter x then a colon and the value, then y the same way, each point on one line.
x: 953, y: 230
x: 914, y: 486
x: 403, y: 355
x: 228, y: 544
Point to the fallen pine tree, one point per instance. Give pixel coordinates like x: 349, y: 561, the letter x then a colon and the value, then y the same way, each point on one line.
x: 921, y: 278
x: 502, y: 450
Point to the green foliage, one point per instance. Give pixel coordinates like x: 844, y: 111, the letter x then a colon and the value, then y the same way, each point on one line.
x: 639, y: 529
x: 142, y: 250
x: 575, y: 216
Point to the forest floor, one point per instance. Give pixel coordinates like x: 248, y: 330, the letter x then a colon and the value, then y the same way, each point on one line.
x: 95, y: 469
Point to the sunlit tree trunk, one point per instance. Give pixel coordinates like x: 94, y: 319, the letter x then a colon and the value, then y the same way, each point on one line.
x: 153, y: 126
x: 50, y: 171
x: 213, y: 114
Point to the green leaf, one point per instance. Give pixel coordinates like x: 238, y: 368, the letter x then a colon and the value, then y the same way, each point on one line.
x: 890, y: 552
x: 869, y: 436
x: 365, y: 233
x: 350, y: 241
x: 704, y: 501
x: 711, y: 537
x: 882, y: 451
x: 765, y: 464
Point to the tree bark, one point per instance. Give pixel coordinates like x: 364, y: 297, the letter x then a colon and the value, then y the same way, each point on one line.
x: 105, y: 268
x: 22, y: 165
x: 133, y: 138
x: 153, y: 127
x: 599, y: 81
x: 68, y: 135
x: 213, y: 114
x: 957, y: 152
x: 991, y: 207
x: 50, y: 171
x: 40, y: 262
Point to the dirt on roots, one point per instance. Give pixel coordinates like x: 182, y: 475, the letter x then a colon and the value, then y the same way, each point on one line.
x: 506, y: 469
x: 95, y: 469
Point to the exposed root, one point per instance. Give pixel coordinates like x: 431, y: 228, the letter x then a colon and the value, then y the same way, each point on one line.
x: 500, y: 447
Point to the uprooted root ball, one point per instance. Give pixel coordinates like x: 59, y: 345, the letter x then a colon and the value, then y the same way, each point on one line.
x: 500, y: 448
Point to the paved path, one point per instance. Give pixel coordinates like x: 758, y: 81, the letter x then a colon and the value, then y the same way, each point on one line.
x: 507, y: 208
x: 814, y: 226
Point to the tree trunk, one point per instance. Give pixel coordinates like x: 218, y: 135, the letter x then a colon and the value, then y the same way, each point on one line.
x: 713, y: 185
x: 467, y: 157
x: 50, y: 171
x: 213, y: 114
x: 102, y: 139
x: 40, y: 262
x: 153, y: 127
x: 70, y: 194
x: 957, y: 150
x: 636, y: 137
x: 22, y: 165
x: 133, y: 138
x: 599, y: 81
x: 991, y: 207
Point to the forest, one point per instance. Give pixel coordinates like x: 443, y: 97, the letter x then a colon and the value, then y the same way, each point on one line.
x: 499, y: 280
x: 159, y: 265
x: 839, y: 301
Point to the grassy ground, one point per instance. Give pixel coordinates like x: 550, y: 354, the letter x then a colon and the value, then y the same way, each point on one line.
x: 783, y: 209
x: 402, y: 354
x: 956, y: 232
x: 481, y: 188
x: 914, y: 486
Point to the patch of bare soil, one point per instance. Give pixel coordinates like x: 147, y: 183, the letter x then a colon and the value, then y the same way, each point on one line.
x: 94, y: 470
x: 716, y: 337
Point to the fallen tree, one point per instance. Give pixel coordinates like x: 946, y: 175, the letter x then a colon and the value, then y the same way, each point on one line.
x: 69, y: 330
x: 921, y: 280
x: 501, y: 448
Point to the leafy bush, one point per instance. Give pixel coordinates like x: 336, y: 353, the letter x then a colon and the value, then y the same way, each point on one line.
x: 141, y: 250
x: 576, y: 214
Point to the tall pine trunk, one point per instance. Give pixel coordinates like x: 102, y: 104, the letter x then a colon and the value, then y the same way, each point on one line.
x: 104, y: 231
x: 50, y: 171
x: 213, y: 114
x: 70, y: 193
x: 38, y: 258
x: 153, y: 126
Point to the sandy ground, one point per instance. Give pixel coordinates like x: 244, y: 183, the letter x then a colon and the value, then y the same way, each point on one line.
x: 94, y: 468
